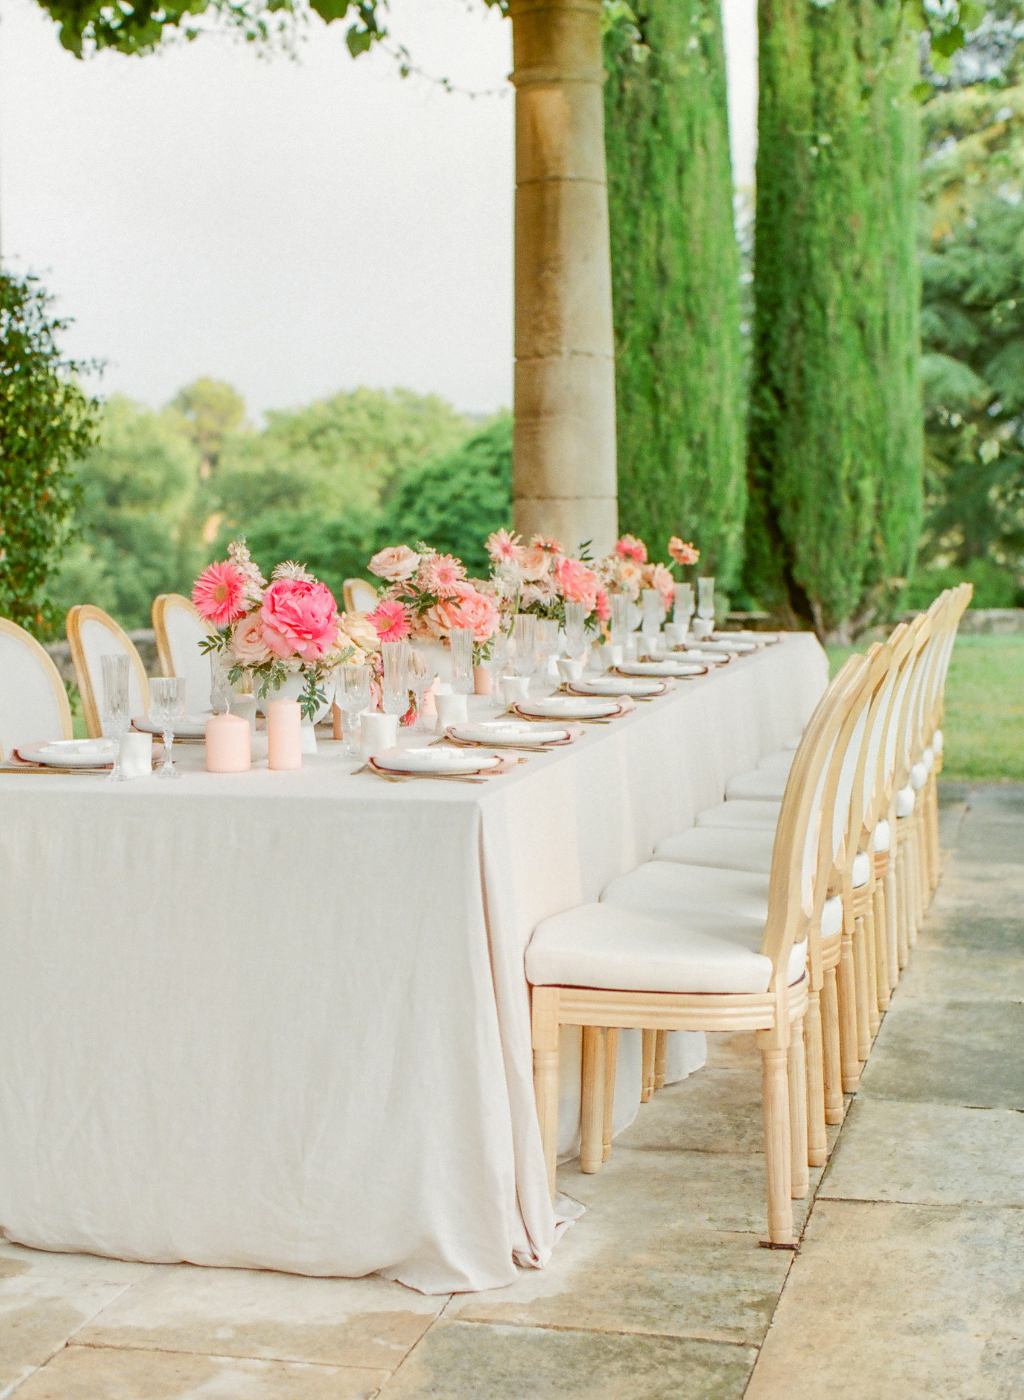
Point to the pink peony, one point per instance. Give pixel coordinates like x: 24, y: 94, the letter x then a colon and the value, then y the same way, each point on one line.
x: 440, y: 574
x: 578, y: 584
x: 219, y: 594
x: 682, y: 553
x: 395, y: 564
x: 502, y: 547
x: 300, y: 618
x: 629, y: 547
x: 390, y: 621
x: 602, y: 605
x: 467, y: 608
x: 663, y: 581
x: 247, y: 645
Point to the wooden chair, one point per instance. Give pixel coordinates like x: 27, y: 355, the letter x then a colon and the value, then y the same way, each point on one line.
x: 360, y: 596
x: 33, y: 702
x: 179, y: 632
x: 92, y: 635
x: 601, y: 966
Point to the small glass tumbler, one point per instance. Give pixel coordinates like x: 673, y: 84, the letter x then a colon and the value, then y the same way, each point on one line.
x: 706, y: 598
x: 651, y: 612
x: 526, y: 644
x: 420, y: 675
x: 575, y: 621
x: 683, y: 610
x: 166, y: 707
x: 116, y: 719
x: 622, y: 618
x: 497, y: 661
x: 460, y: 639
x: 396, y: 685
x: 352, y: 696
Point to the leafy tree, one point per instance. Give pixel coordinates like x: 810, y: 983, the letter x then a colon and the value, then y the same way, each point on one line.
x: 45, y: 422
x: 455, y: 501
x: 334, y: 548
x: 208, y: 410
x: 675, y: 280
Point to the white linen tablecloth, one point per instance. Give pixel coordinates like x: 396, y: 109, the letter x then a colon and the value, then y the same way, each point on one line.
x: 280, y: 1020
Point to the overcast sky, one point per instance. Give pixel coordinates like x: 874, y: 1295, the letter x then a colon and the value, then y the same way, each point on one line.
x: 291, y: 227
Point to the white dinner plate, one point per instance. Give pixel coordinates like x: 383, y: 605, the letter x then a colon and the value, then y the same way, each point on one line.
x: 508, y: 731
x: 758, y: 638
x: 730, y: 645
x: 676, y: 667
x: 617, y: 685
x: 71, y: 753
x: 569, y: 707
x: 438, y: 760
x: 709, y: 658
x: 187, y: 727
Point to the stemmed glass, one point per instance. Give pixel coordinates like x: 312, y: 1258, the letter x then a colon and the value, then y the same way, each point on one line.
x: 575, y: 640
x: 395, y: 700
x: 497, y: 661
x: 420, y: 677
x: 166, y: 705
x: 461, y: 642
x: 352, y: 696
x: 525, y: 634
x: 683, y: 610
x: 652, y: 612
x: 547, y: 644
x: 221, y: 693
x: 116, y: 719
x: 706, y: 599
x: 622, y: 619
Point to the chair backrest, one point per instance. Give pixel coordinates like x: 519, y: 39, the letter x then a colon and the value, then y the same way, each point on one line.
x: 33, y: 702
x: 92, y: 635
x: 871, y: 793
x: 360, y: 596
x: 179, y: 631
x: 856, y: 740
x: 958, y: 604
x: 897, y: 764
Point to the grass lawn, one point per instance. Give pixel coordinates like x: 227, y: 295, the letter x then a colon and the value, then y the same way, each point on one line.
x: 983, y: 727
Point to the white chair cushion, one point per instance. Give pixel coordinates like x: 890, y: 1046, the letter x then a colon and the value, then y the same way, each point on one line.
x: 185, y: 633
x: 861, y: 869
x: 665, y: 890
x: 756, y: 786
x: 936, y: 744
x: 832, y: 917
x: 918, y: 776
x: 905, y: 801
x: 793, y: 742
x: 780, y: 762
x: 724, y: 848
x: 30, y: 712
x: 928, y: 759
x: 603, y: 945
x: 883, y: 836
x: 742, y: 816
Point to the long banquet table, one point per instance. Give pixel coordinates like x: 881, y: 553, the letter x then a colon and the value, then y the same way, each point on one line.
x: 281, y: 1020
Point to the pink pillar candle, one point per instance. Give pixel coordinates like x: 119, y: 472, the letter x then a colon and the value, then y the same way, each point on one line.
x: 284, y: 734
x: 228, y: 749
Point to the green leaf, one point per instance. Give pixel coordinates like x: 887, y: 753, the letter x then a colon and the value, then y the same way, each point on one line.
x: 948, y: 42
x: 358, y: 40
x: 330, y: 10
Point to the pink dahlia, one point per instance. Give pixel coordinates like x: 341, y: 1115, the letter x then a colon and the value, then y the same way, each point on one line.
x: 390, y: 620
x: 629, y: 547
x: 219, y: 594
x: 577, y: 583
x: 439, y: 574
x: 682, y: 553
x: 502, y: 547
x: 300, y: 618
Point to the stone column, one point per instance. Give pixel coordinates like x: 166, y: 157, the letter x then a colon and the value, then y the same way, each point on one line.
x: 563, y: 460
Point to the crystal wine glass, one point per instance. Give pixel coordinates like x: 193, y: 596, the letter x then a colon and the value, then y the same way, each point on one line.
x: 497, y: 661
x: 352, y: 696
x: 420, y: 676
x: 166, y: 706
x: 652, y: 612
x: 683, y: 610
x: 706, y: 598
x: 526, y: 644
x: 575, y: 640
x: 395, y: 700
x: 547, y: 644
x: 460, y: 640
x: 621, y: 623
x: 116, y: 719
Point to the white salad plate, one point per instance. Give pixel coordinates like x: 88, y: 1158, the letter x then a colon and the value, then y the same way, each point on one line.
x: 569, y: 707
x: 505, y: 731
x: 438, y: 760
x: 675, y: 667
x: 71, y: 753
x: 730, y: 645
x: 618, y: 685
x: 758, y: 638
x: 185, y: 727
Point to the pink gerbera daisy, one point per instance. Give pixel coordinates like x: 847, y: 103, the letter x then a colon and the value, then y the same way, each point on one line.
x: 439, y: 573
x: 219, y: 594
x: 502, y: 546
x: 629, y: 547
x: 390, y: 620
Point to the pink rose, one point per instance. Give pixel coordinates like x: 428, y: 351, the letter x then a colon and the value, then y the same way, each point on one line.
x: 395, y: 564
x: 467, y: 608
x: 300, y: 618
x: 247, y: 644
x: 577, y: 583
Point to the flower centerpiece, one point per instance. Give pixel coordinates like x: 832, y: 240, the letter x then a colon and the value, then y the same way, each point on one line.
x: 683, y: 554
x: 628, y: 570
x: 541, y: 578
x: 425, y: 595
x: 277, y: 631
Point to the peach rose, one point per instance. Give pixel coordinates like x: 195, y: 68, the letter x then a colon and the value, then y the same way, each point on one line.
x: 533, y: 562
x: 247, y: 645
x: 299, y: 619
x: 396, y: 564
x: 577, y: 582
x: 467, y: 608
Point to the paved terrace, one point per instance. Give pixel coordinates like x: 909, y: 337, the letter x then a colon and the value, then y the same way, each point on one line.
x: 908, y: 1282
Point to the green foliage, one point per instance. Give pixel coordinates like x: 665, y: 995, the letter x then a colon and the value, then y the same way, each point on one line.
x: 835, y: 427
x: 994, y: 586
x: 207, y: 411
x: 45, y: 421
x: 135, y: 518
x: 333, y: 547
x: 675, y: 280
x: 455, y: 501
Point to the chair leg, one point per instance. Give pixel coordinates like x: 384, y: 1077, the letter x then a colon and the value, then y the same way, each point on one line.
x: 834, y: 1105
x: 874, y: 1020
x: 660, y: 1050
x: 817, y: 1139
x: 860, y: 967
x: 611, y: 1064
x: 777, y: 1142
x: 903, y: 904
x: 934, y: 826
x: 846, y: 983
x: 881, y: 946
x: 647, y: 1060
x: 800, y: 1180
x: 913, y: 885
x: 892, y: 922
x: 592, y: 1100
x: 545, y: 1074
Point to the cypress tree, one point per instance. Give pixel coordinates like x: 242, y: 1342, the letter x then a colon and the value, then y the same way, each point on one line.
x: 835, y: 434
x: 675, y: 281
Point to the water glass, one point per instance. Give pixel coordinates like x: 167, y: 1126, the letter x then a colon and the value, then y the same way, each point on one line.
x: 352, y: 695
x: 497, y: 661
x: 547, y: 644
x: 420, y: 676
x: 683, y: 610
x: 652, y: 612
x: 221, y: 693
x: 622, y: 618
x: 526, y: 644
x: 396, y: 686
x: 460, y: 639
x: 166, y: 707
x: 116, y: 719
x: 575, y: 621
x: 706, y: 598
